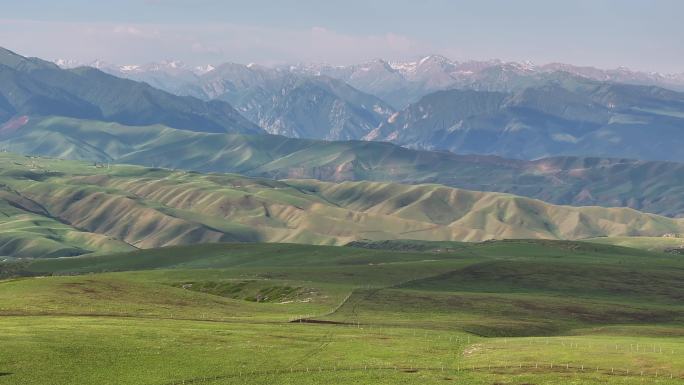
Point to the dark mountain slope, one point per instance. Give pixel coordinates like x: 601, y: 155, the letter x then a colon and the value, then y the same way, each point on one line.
x: 35, y: 87
x: 580, y: 119
x: 280, y: 101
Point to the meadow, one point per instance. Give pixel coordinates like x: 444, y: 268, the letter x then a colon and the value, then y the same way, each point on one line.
x: 393, y: 312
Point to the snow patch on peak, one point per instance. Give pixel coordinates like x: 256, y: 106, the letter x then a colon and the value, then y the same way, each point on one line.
x: 201, y: 70
x: 405, y: 67
x: 423, y: 60
x: 67, y: 63
x: 434, y: 58
x: 99, y: 64
x: 129, y: 68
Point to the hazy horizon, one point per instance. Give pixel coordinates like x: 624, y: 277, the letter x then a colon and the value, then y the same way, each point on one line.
x: 605, y: 34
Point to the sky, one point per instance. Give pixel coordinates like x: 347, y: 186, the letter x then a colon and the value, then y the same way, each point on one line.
x: 643, y: 35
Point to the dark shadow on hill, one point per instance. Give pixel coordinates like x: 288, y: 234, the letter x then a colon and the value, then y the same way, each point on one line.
x: 324, y: 322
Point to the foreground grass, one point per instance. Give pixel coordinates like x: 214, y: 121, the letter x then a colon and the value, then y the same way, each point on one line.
x: 92, y: 350
x: 133, y: 351
x: 514, y: 312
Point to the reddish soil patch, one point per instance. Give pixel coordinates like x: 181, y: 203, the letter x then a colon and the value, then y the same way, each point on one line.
x: 14, y: 125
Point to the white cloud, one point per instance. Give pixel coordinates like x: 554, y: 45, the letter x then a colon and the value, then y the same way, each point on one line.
x: 200, y: 43
x: 560, y: 137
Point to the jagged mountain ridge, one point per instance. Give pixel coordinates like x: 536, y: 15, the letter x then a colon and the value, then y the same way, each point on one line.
x: 281, y: 102
x: 269, y: 97
x: 401, y: 83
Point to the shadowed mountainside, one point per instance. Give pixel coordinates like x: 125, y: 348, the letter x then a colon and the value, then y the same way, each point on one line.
x: 578, y: 118
x: 31, y: 86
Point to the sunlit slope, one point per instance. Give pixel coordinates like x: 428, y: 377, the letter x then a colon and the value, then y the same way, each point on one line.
x: 145, y: 208
x: 668, y: 244
x: 28, y: 230
x: 481, y: 215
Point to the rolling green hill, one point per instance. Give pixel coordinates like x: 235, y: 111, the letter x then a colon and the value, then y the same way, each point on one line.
x: 514, y: 311
x: 139, y: 207
x: 552, y: 286
x: 648, y: 186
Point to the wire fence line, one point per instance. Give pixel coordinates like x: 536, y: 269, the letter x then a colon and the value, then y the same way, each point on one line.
x: 537, y: 368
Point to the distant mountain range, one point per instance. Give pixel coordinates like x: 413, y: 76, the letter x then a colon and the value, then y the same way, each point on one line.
x: 581, y: 118
x: 298, y: 106
x: 281, y: 102
x: 31, y: 86
x: 512, y: 110
x: 401, y: 83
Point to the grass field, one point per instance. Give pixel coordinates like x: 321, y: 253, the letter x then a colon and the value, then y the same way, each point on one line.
x: 399, y: 312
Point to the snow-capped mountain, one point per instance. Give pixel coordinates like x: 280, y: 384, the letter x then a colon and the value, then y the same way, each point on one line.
x: 621, y: 75
x: 399, y: 82
x: 358, y: 101
x: 403, y: 82
x: 67, y: 63
x: 162, y: 66
x: 280, y: 101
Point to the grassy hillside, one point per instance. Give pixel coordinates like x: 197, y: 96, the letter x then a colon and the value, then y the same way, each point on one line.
x: 536, y: 312
x: 107, y: 208
x: 512, y: 287
x: 648, y: 186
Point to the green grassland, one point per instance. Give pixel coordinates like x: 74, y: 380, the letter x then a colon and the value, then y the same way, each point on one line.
x: 52, y: 208
x: 387, y: 312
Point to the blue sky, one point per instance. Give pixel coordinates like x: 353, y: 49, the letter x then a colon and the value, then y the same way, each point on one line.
x: 644, y: 35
